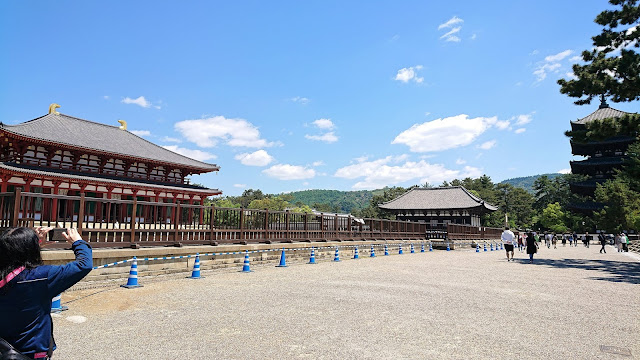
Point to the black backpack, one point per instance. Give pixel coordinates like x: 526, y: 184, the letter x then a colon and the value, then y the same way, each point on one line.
x: 8, y: 352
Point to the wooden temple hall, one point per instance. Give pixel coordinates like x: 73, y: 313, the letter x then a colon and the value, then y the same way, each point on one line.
x: 439, y: 207
x: 59, y: 154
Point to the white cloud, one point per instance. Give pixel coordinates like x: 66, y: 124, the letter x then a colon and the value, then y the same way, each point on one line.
x: 411, y: 73
x: 257, y: 158
x: 318, y: 163
x: 325, y: 124
x: 487, y: 145
x: 576, y: 58
x: 534, y: 52
x: 300, y: 100
x: 380, y: 173
x: 450, y: 36
x: 234, y: 132
x: 473, y: 37
x: 503, y: 125
x: 524, y: 119
x: 106, y: 97
x: 449, y: 23
x: 443, y: 134
x: 571, y: 76
x: 551, y: 63
x: 329, y: 137
x: 140, y: 132
x: 520, y: 130
x: 564, y: 171
x: 289, y: 172
x: 171, y: 139
x: 241, y: 186
x: 140, y: 101
x: 558, y: 57
x: 461, y: 161
x: 192, y: 153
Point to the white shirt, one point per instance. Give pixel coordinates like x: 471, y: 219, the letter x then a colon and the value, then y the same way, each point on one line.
x: 508, y: 237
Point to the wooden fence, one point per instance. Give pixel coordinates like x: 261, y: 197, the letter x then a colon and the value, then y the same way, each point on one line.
x: 133, y: 223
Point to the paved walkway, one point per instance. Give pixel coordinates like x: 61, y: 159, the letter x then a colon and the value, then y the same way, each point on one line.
x: 572, y: 303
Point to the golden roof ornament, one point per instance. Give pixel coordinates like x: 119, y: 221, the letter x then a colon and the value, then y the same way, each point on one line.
x: 123, y: 124
x: 52, y: 109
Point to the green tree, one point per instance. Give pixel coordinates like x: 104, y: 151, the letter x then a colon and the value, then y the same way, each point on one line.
x: 621, y: 206
x: 248, y: 196
x: 553, y: 218
x: 612, y: 67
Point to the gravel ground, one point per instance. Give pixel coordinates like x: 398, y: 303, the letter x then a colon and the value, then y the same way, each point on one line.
x: 434, y: 305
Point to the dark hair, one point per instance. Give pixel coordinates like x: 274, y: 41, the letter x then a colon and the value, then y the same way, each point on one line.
x: 19, y: 247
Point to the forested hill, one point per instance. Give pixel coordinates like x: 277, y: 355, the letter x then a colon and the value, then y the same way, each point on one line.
x: 348, y: 201
x: 526, y: 182
x: 339, y: 201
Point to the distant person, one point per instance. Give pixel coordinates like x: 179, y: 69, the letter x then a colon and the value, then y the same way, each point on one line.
x: 618, y: 242
x: 570, y: 239
x: 532, y: 246
x: 575, y: 239
x: 603, y: 242
x: 625, y: 242
x: 27, y: 287
x: 554, y: 240
x: 508, y: 239
x: 548, y: 237
x: 586, y: 239
x: 564, y: 240
x: 520, y: 241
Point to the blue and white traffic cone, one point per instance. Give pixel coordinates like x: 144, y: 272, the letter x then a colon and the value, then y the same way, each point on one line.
x: 283, y: 260
x: 312, y: 258
x: 246, y: 267
x: 422, y: 248
x: 501, y: 247
x: 56, y: 304
x: 485, y: 246
x: 477, y: 248
x: 356, y: 254
x: 195, y: 274
x: 430, y: 246
x: 413, y: 251
x: 336, y: 258
x: 386, y: 250
x: 400, y: 249
x: 491, y: 246
x: 132, y: 282
x: 373, y: 252
x: 448, y: 248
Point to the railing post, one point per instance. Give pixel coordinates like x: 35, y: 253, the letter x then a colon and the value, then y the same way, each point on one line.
x: 322, y: 226
x: 81, y: 213
x: 335, y: 226
x: 287, y: 227
x: 349, y: 225
x: 16, y: 207
x: 266, y: 224
x: 212, y: 222
x: 177, y: 222
x: 306, y: 226
x: 241, y: 224
x: 132, y: 226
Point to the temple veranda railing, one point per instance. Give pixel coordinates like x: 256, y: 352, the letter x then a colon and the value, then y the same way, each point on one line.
x: 135, y: 223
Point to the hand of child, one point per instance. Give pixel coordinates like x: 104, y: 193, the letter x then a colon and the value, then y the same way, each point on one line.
x: 71, y: 235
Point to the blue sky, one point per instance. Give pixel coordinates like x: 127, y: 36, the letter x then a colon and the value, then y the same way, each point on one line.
x: 287, y: 96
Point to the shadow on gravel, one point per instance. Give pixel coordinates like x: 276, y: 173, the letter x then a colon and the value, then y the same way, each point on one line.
x: 618, y: 271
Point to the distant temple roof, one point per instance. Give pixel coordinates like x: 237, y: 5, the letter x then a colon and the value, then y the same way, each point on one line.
x: 80, y: 133
x: 603, y: 112
x: 443, y: 198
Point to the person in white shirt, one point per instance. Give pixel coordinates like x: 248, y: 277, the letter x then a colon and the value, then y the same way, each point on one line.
x: 509, y: 240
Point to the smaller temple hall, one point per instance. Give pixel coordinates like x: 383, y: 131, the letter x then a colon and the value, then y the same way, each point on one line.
x: 439, y: 206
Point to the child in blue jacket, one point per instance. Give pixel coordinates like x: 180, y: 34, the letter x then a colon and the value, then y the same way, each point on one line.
x: 27, y: 287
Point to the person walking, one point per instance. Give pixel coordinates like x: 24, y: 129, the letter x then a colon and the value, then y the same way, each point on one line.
x: 603, y: 242
x: 547, y: 239
x: 587, y: 239
x: 532, y: 246
x: 575, y: 239
x: 570, y: 238
x: 554, y: 240
x: 564, y: 240
x: 520, y: 241
x: 27, y: 287
x: 625, y: 242
x: 508, y: 239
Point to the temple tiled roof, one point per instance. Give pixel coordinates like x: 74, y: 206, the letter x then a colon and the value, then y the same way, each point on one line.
x: 454, y: 197
x: 100, y: 179
x: 603, y: 112
x: 85, y: 134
